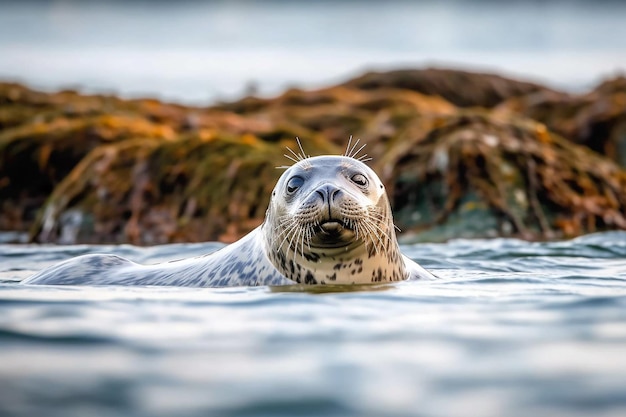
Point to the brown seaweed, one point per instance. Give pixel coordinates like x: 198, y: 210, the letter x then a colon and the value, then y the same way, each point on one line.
x: 97, y: 168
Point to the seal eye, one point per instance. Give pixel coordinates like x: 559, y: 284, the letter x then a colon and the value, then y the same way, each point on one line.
x: 293, y: 184
x: 360, y: 180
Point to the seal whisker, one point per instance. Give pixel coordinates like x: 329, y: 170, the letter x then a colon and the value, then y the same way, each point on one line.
x: 289, y: 245
x: 287, y: 232
x: 358, y: 150
x: 361, y: 230
x: 378, y: 230
x: 282, y: 223
x: 290, y: 157
x: 370, y: 235
x: 354, y: 225
x: 351, y: 152
x: 306, y: 163
x: 311, y: 232
x: 296, y: 155
x: 348, y: 147
x: 282, y: 235
x: 299, y: 241
x: 306, y: 238
x: 304, y: 155
x: 293, y: 247
x: 382, y: 230
x: 280, y: 247
x: 301, y: 238
x: 290, y: 226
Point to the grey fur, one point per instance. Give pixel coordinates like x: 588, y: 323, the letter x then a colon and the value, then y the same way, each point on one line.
x: 288, y: 248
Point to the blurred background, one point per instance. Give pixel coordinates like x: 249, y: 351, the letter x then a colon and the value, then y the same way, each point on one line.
x: 197, y: 52
x: 514, y: 329
x: 526, y: 75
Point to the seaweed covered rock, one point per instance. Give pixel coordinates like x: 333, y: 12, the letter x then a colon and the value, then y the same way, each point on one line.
x: 44, y: 136
x: 339, y: 112
x: 199, y: 187
x: 596, y: 119
x: 461, y: 88
x: 476, y: 175
x: 95, y: 168
x: 35, y: 157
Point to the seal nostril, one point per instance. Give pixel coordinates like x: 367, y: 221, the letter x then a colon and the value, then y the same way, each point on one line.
x: 328, y: 193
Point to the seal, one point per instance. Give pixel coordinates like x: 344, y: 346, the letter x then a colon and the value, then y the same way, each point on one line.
x: 329, y: 221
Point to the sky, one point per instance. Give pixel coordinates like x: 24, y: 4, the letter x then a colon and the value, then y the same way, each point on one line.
x: 201, y: 52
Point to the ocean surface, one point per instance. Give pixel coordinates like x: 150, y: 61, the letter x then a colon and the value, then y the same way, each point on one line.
x: 511, y: 328
x: 202, y: 51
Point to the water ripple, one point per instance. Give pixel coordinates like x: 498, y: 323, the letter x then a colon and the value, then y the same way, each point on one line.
x: 510, y: 328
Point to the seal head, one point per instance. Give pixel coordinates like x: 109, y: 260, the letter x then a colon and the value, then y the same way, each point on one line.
x: 329, y: 221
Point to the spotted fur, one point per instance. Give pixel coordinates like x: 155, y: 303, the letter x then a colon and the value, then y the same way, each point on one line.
x: 367, y: 253
x: 291, y: 246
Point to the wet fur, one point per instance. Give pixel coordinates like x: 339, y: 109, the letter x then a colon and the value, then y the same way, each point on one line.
x: 281, y: 250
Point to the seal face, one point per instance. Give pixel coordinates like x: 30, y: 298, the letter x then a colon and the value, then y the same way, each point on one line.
x: 329, y: 222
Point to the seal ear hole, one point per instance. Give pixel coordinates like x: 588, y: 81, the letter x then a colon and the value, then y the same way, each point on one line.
x: 360, y: 180
x: 294, y: 184
x: 381, y: 186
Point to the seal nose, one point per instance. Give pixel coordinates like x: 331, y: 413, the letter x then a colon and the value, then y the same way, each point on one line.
x: 328, y: 193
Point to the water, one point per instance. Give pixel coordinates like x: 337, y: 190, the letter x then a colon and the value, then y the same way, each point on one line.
x: 198, y: 52
x: 512, y: 329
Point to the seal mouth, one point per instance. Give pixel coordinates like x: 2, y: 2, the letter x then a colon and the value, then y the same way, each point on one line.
x: 332, y: 227
x: 332, y: 233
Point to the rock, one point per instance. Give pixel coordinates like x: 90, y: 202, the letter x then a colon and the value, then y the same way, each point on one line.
x: 99, y: 169
x: 596, y: 119
x: 479, y: 175
x: 36, y: 156
x: 337, y: 113
x: 461, y: 88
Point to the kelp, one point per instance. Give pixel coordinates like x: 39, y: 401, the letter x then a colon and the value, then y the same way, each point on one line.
x: 98, y: 168
x: 596, y: 119
x: 36, y: 157
x: 478, y: 175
